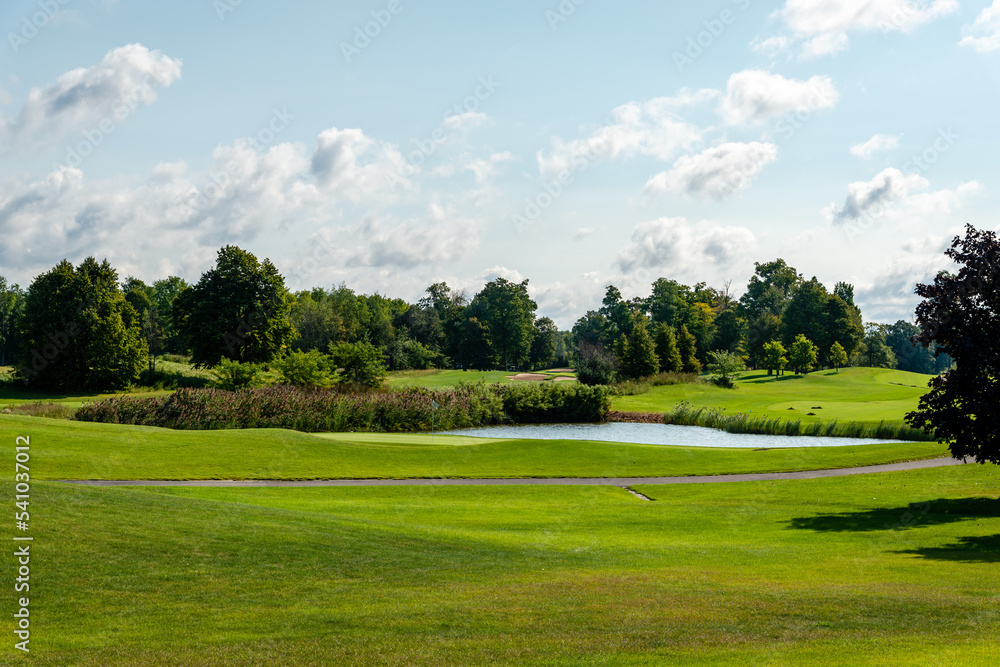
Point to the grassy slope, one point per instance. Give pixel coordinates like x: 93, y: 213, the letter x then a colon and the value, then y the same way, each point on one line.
x: 830, y: 572
x: 853, y: 394
x: 79, y: 450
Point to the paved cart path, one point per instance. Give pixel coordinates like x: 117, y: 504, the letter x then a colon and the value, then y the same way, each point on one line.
x: 534, y: 481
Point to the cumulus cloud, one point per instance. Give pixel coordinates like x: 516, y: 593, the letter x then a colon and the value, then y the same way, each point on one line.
x: 877, y: 144
x: 354, y: 166
x: 651, y: 128
x: 984, y: 34
x: 753, y: 96
x: 822, y: 27
x: 86, y: 98
x: 245, y: 192
x: 444, y: 235
x: 677, y: 246
x: 715, y: 173
x: 892, y: 193
x: 887, y: 294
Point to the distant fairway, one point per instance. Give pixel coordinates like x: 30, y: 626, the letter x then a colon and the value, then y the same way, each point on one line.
x: 853, y: 394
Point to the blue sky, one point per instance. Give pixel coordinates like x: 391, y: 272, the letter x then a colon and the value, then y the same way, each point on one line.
x: 575, y: 144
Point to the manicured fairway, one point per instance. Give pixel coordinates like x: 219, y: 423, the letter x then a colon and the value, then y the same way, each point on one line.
x: 80, y: 450
x: 853, y: 394
x: 889, y: 569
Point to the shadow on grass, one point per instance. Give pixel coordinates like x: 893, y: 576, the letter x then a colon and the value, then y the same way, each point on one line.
x: 983, y: 549
x: 764, y: 378
x: 931, y: 512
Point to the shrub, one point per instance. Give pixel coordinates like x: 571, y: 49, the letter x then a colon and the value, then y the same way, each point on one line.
x: 307, y: 369
x: 358, y: 363
x: 598, y: 368
x: 233, y: 375
x: 313, y: 410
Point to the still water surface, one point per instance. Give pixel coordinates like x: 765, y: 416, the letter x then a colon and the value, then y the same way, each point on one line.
x: 659, y: 434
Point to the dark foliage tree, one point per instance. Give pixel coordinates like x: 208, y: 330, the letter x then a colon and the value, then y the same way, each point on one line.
x: 140, y: 296
x: 617, y: 314
x: 237, y: 310
x: 666, y: 349
x: 730, y: 332
x: 639, y: 354
x: 474, y: 349
x: 770, y: 288
x: 687, y: 346
x: 543, y: 343
x: 509, y: 313
x: 164, y: 293
x: 78, y: 331
x: 960, y: 314
x: 317, y: 324
x: 910, y: 356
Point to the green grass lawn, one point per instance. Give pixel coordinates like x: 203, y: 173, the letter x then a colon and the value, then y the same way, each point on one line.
x: 853, y: 394
x: 82, y: 450
x: 889, y: 569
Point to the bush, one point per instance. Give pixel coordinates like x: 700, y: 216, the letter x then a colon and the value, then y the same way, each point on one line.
x: 233, y: 375
x: 598, y: 368
x: 305, y: 369
x: 358, y: 363
x: 314, y: 410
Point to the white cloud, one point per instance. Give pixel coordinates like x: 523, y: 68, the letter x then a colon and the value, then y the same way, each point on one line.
x: 492, y: 273
x: 984, y: 34
x: 715, y: 173
x: 485, y: 169
x: 582, y: 233
x: 84, y: 98
x: 887, y: 294
x: 892, y: 194
x: 650, y: 128
x: 179, y: 217
x: 823, y: 26
x: 678, y: 246
x: 754, y: 96
x: 877, y: 144
x: 351, y: 164
x: 442, y: 236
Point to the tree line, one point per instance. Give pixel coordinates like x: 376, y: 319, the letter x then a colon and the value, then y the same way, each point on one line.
x: 82, y: 328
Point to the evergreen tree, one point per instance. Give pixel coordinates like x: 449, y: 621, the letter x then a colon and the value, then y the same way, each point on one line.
x: 686, y: 346
x: 639, y: 354
x: 666, y: 350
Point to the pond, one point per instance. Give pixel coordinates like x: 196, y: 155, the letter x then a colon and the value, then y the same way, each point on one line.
x: 659, y: 434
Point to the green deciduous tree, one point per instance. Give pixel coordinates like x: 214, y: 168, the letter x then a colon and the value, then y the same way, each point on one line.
x: 543, y: 343
x: 838, y: 356
x: 78, y: 331
x: 774, y: 357
x: 358, y: 363
x: 304, y: 369
x: 237, y: 310
x: 11, y: 308
x: 725, y: 366
x: 509, y: 313
x: 802, y: 355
